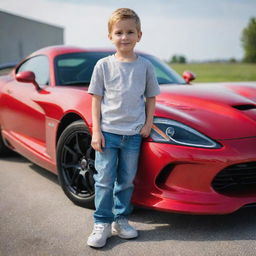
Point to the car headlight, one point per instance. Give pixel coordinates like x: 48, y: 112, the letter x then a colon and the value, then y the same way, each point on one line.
x: 173, y: 132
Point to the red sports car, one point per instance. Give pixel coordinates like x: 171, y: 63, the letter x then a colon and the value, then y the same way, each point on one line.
x: 200, y: 157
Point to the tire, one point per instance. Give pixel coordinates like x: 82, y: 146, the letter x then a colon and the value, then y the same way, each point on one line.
x: 4, y: 151
x: 75, y: 163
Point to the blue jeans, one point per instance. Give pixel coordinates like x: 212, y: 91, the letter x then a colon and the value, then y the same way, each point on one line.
x: 116, y: 169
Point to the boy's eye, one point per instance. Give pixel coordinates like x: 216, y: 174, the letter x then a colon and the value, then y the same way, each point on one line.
x: 118, y: 33
x: 130, y: 32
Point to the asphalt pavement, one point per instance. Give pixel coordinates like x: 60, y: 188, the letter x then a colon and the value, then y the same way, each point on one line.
x: 37, y: 219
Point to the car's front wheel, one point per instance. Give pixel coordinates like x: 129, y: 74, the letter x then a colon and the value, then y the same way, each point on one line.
x: 75, y: 160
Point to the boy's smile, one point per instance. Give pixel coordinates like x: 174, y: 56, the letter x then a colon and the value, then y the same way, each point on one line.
x: 124, y: 36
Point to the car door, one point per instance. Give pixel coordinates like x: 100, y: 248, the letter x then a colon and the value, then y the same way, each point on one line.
x: 22, y: 117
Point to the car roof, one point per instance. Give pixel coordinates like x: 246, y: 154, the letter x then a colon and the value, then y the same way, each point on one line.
x: 62, y: 49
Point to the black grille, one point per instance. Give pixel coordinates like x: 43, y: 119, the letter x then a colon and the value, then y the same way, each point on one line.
x: 163, y: 175
x: 239, y: 178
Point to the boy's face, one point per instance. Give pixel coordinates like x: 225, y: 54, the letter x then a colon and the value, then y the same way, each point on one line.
x: 125, y: 35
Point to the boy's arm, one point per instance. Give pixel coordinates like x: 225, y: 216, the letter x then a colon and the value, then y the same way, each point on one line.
x: 97, y: 137
x: 150, y: 110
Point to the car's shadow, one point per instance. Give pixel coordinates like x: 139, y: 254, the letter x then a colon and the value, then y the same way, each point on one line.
x: 162, y: 226
x: 15, y: 157
x: 240, y: 225
x: 44, y: 173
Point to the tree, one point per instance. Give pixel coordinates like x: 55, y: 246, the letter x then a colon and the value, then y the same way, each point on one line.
x: 178, y: 59
x: 182, y: 59
x: 232, y: 60
x: 174, y: 59
x: 249, y: 41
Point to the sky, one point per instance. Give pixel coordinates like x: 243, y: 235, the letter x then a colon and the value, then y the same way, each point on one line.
x: 197, y: 29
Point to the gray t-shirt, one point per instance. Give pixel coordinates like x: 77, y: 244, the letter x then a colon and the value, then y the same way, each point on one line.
x: 123, y: 86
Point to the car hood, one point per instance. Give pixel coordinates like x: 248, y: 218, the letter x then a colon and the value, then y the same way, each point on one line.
x: 220, y: 111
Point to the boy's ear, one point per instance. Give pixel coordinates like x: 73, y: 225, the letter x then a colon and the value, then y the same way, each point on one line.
x: 109, y: 36
x: 139, y: 36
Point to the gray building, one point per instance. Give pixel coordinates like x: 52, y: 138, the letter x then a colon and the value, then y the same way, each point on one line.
x: 21, y: 36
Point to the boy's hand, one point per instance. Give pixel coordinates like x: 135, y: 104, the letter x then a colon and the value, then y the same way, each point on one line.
x: 98, y: 141
x: 150, y: 108
x: 145, y: 131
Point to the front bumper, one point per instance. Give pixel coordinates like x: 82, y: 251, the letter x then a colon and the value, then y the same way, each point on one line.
x: 179, y: 179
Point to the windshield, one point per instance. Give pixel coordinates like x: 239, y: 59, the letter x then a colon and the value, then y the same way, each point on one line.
x: 164, y: 73
x: 77, y: 68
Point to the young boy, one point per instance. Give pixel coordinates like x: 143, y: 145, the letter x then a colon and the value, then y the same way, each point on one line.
x: 120, y: 116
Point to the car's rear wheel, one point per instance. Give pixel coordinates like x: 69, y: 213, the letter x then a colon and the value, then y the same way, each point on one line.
x: 75, y: 160
x: 3, y: 149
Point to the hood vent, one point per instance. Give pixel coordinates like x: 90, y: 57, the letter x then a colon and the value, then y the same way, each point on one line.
x: 245, y: 107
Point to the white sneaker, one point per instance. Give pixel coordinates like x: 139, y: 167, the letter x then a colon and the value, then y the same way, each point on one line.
x: 123, y: 229
x: 101, y: 232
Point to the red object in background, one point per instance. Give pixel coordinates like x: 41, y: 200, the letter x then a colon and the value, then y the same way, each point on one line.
x: 188, y: 76
x: 200, y: 157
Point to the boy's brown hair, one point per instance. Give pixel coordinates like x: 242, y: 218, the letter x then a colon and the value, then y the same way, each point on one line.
x: 122, y: 14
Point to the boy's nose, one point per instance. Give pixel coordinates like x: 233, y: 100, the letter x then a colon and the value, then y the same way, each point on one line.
x: 124, y: 36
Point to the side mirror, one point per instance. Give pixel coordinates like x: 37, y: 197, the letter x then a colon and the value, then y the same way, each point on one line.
x: 27, y: 77
x: 188, y: 76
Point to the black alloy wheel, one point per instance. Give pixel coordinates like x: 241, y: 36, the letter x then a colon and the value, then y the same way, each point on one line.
x: 75, y: 160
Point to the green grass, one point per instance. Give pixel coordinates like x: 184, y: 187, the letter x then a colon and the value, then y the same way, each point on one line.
x: 219, y: 72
